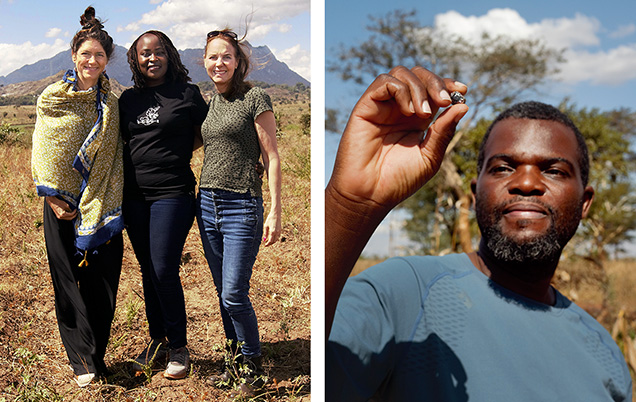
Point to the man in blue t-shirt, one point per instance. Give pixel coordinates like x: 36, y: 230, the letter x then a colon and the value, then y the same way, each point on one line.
x: 480, y: 326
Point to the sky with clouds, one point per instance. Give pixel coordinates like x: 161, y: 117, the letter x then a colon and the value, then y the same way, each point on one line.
x: 599, y: 39
x: 32, y: 30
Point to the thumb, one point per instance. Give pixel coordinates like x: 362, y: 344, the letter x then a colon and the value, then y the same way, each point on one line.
x: 442, y: 130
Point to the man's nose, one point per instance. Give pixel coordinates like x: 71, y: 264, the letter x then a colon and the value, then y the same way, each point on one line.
x: 527, y: 180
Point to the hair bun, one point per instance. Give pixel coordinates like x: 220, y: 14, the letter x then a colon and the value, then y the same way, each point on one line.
x: 88, y: 20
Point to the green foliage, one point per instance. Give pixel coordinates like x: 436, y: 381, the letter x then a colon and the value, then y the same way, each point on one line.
x: 299, y: 165
x: 18, y: 100
x: 332, y: 122
x: 612, y: 217
x: 9, y: 134
x: 133, y: 306
x: 30, y: 389
x: 305, y: 123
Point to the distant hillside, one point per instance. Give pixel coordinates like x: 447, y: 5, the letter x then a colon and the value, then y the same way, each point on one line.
x: 267, y: 68
x: 34, y: 88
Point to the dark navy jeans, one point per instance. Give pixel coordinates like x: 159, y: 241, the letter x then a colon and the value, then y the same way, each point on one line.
x: 231, y: 226
x: 157, y: 231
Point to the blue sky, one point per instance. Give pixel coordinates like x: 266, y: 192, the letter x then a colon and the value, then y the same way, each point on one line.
x: 35, y: 30
x: 600, y: 38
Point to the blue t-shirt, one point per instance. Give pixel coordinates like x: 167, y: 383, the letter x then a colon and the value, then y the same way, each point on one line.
x: 437, y: 329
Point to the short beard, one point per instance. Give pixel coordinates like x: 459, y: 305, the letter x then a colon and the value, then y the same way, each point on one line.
x: 545, y: 248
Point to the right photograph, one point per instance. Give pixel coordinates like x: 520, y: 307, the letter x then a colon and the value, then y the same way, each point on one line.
x: 480, y: 202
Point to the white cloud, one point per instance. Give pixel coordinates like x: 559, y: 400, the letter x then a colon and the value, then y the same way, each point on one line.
x: 15, y: 56
x: 567, y: 33
x: 623, y: 31
x: 578, y: 35
x: 496, y: 22
x: 612, y: 67
x: 558, y: 33
x: 284, y: 28
x: 296, y: 59
x: 53, y: 32
x: 188, y: 21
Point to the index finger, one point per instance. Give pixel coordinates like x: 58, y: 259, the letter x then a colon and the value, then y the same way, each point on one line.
x: 428, y: 91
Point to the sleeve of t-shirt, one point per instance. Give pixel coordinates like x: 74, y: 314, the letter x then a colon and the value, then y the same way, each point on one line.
x: 261, y: 102
x: 199, y: 106
x: 375, y: 316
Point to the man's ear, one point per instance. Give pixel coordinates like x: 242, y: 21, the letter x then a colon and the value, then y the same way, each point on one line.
x: 588, y: 197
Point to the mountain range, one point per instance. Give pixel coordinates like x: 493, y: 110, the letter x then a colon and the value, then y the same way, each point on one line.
x: 266, y: 68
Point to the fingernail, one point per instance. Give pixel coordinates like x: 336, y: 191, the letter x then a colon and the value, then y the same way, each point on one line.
x: 444, y: 95
x: 461, y: 84
x: 411, y: 107
x: 426, y: 107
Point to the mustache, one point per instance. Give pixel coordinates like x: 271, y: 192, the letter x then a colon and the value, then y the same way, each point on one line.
x: 498, y: 209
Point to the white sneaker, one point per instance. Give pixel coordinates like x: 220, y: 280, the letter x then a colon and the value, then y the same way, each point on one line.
x: 179, y: 364
x: 84, y: 379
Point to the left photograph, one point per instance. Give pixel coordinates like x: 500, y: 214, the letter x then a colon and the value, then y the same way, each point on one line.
x: 155, y: 231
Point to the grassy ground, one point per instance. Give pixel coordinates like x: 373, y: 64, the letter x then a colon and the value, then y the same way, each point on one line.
x: 33, y: 363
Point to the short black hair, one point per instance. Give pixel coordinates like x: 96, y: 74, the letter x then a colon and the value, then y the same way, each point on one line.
x: 540, y: 111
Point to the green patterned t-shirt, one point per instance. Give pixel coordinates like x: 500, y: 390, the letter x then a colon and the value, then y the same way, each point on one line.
x: 231, y: 143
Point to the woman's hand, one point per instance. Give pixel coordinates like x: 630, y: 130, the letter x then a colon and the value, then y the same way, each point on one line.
x: 61, y: 209
x: 272, y: 229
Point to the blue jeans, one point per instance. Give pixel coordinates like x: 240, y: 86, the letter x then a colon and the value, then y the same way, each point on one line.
x: 157, y: 231
x: 231, y: 226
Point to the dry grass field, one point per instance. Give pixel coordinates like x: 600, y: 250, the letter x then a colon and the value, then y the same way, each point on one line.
x: 33, y: 363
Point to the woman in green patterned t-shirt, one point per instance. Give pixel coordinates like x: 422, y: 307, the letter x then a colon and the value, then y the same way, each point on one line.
x: 239, y: 129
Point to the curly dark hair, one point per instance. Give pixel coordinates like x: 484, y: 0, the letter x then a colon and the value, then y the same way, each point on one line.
x: 177, y: 72
x: 92, y: 28
x: 540, y: 111
x: 238, y: 85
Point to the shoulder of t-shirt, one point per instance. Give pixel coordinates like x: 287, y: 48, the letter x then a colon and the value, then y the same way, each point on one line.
x: 428, y: 266
x: 258, y: 91
x: 126, y: 94
x: 192, y: 87
x: 399, y: 272
x: 259, y: 99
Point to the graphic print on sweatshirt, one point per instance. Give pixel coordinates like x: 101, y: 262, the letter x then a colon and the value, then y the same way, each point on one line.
x: 151, y: 116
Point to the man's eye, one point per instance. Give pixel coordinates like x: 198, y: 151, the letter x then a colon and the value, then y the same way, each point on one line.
x: 556, y: 172
x: 500, y: 169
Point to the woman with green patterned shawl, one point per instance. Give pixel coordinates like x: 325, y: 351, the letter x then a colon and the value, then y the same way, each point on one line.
x: 77, y: 166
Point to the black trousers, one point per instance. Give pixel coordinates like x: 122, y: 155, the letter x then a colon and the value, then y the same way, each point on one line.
x: 84, y: 296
